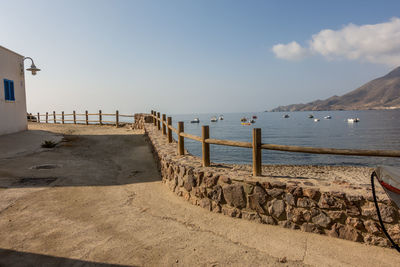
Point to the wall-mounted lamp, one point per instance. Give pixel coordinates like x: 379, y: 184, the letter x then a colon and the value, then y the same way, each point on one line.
x: 33, y: 68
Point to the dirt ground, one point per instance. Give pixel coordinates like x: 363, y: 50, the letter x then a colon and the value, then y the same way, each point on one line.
x: 96, y: 199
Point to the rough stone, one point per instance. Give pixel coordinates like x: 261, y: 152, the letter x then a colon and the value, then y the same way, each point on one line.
x: 232, y: 212
x: 337, y: 216
x: 388, y: 213
x: 294, y: 215
x: 322, y: 220
x: 234, y: 195
x: 216, y: 194
x: 376, y: 240
x: 311, y: 193
x: 225, y: 179
x: 189, y: 182
x: 306, y: 203
x: 310, y: 227
x: 290, y: 200
x: 205, y: 203
x: 288, y: 224
x: 328, y: 201
x: 257, y: 199
x: 276, y: 208
x: 346, y: 232
x: 268, y: 219
x: 199, y: 178
x: 353, y: 211
x: 372, y: 227
x: 248, y: 188
x: 309, y: 214
x: 278, y: 184
x: 275, y: 192
x: 266, y: 185
x: 251, y: 216
x: 215, y: 207
x: 355, y: 223
x: 210, y: 181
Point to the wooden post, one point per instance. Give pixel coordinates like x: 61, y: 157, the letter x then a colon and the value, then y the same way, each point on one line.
x: 47, y: 117
x: 181, y: 139
x: 74, y: 115
x: 117, y: 118
x: 158, y: 121
x: 169, y: 131
x: 38, y: 117
x: 54, y: 117
x: 87, y: 117
x: 154, y: 119
x: 256, y: 151
x: 205, y: 134
x: 62, y: 117
x: 100, y: 118
x: 164, y: 129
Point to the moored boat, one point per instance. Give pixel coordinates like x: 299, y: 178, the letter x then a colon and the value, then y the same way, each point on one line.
x: 316, y: 120
x: 252, y: 121
x: 221, y: 117
x: 254, y: 117
x: 352, y: 120
x: 196, y: 120
x: 286, y: 116
x: 328, y: 117
x: 311, y: 116
x: 214, y: 119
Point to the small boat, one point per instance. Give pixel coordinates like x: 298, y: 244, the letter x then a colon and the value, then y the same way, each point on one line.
x: 316, y: 120
x: 252, y: 121
x: 352, y: 120
x: 286, y: 116
x: 196, y: 120
x: 311, y: 116
x: 254, y: 117
x: 243, y: 119
x: 221, y: 117
x: 246, y: 123
x: 214, y: 119
x: 328, y: 117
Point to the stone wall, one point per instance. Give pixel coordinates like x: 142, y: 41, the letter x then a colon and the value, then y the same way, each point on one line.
x: 299, y: 205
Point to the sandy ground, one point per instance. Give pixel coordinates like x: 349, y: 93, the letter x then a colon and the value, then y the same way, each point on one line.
x: 97, y: 200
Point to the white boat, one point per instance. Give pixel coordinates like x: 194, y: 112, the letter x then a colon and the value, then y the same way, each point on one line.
x: 311, y: 116
x: 352, y: 120
x: 316, y: 120
x: 286, y: 116
x: 196, y: 120
x: 328, y: 117
x: 221, y: 117
x: 214, y: 119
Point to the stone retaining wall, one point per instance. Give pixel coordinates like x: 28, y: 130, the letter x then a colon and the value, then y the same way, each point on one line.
x: 223, y: 189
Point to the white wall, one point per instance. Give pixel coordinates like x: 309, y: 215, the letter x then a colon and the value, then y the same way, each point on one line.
x: 12, y: 113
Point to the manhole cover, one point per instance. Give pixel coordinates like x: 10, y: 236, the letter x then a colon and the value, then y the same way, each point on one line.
x: 31, y: 181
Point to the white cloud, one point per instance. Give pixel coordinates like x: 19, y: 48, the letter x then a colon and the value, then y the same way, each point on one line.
x: 377, y: 43
x: 290, y: 51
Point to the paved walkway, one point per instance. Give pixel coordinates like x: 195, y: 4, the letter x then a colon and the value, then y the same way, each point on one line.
x: 101, y: 203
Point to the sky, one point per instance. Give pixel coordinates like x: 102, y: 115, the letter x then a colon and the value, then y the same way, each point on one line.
x: 200, y: 56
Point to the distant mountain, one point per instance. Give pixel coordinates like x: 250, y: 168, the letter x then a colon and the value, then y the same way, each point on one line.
x: 381, y: 93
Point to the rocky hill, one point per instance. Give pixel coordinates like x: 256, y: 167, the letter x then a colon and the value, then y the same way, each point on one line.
x: 381, y: 93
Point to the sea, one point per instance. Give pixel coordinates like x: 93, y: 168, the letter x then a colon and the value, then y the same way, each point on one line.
x: 377, y: 129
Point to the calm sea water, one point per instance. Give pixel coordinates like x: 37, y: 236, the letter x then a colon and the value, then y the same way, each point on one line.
x: 376, y: 130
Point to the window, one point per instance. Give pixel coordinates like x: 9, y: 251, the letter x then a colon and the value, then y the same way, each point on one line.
x: 9, y: 90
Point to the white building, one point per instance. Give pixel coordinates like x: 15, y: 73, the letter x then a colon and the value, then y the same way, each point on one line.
x: 12, y: 93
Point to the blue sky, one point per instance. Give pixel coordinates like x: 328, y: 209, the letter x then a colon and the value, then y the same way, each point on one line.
x: 196, y: 56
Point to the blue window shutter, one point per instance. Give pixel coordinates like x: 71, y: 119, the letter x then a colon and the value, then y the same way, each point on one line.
x: 12, y: 95
x: 6, y: 90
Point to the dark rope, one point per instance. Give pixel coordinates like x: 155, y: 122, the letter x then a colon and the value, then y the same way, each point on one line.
x: 394, y: 245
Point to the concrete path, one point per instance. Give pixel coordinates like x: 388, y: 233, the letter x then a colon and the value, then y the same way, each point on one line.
x: 102, y: 204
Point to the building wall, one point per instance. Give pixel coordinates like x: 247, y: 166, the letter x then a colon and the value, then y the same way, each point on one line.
x: 12, y: 113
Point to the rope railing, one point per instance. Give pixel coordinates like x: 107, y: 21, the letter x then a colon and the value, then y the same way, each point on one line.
x: 164, y: 124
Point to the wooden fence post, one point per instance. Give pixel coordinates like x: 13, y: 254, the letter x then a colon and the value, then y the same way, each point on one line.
x: 181, y: 139
x: 74, y: 115
x: 47, y: 117
x: 164, y: 129
x: 169, y: 131
x: 87, y: 117
x: 158, y: 121
x: 38, y: 117
x: 117, y: 118
x: 205, y: 147
x: 62, y: 117
x: 154, y: 119
x: 54, y: 117
x: 256, y: 151
x: 100, y: 118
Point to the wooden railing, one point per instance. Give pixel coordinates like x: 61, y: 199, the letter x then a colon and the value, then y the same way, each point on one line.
x: 165, y: 124
x: 77, y: 118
